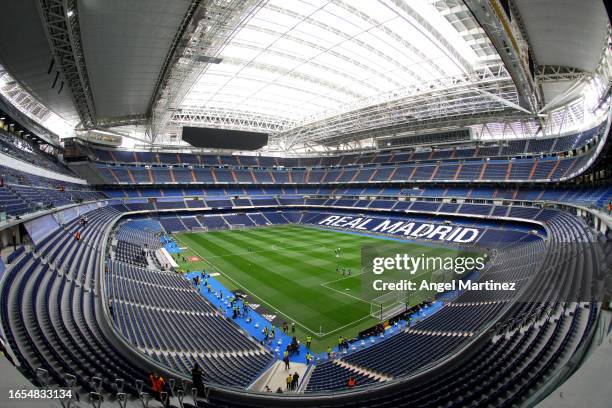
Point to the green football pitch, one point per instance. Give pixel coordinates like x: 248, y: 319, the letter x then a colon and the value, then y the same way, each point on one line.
x: 291, y: 271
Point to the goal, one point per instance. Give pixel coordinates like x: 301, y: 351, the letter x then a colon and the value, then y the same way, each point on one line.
x: 395, y: 302
x: 388, y: 305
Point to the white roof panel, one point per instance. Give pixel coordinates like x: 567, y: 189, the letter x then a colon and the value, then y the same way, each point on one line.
x: 303, y: 61
x: 312, y: 57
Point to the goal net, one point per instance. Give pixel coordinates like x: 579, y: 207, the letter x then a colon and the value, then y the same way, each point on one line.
x: 388, y: 305
x: 393, y: 303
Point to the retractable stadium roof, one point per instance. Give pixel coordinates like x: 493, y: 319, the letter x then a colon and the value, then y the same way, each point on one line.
x: 308, y: 72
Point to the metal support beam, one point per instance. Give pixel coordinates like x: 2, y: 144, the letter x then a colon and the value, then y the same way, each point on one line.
x: 433, y: 101
x: 429, y: 106
x: 61, y: 24
x: 32, y: 115
x: 446, y: 46
x: 557, y: 73
x: 493, y: 20
x: 138, y: 119
x: 225, y: 119
x: 209, y: 27
x: 168, y: 61
x: 427, y: 124
x: 504, y: 101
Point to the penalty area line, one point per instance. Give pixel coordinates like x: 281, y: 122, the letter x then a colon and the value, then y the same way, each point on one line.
x: 344, y: 293
x: 313, y: 332
x: 343, y: 278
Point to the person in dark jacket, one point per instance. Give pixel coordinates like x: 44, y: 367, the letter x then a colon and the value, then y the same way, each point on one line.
x: 295, y: 381
x: 196, y: 378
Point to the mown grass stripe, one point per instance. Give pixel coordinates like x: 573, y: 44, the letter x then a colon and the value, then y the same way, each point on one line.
x: 288, y: 270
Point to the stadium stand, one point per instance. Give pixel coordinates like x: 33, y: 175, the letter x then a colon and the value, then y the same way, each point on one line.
x: 141, y: 297
x: 22, y: 150
x: 513, y: 148
x: 496, y: 167
x: 460, y: 151
x: 143, y: 300
x: 552, y: 331
x: 22, y: 192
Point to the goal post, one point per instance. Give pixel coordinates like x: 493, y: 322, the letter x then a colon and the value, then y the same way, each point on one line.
x: 395, y: 302
x: 237, y: 226
x: 389, y: 304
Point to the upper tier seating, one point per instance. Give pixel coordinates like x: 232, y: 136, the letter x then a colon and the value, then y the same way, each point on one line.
x: 516, y: 161
x: 533, y: 146
x: 13, y: 146
x: 521, y: 169
x: 21, y: 192
x: 596, y: 197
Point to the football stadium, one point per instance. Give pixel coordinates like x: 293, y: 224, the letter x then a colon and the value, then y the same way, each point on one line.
x: 305, y: 203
